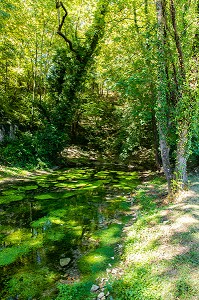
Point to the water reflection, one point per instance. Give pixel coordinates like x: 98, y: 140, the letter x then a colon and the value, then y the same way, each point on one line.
x: 51, y: 217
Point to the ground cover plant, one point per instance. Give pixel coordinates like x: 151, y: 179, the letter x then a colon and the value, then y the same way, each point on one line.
x: 161, y: 250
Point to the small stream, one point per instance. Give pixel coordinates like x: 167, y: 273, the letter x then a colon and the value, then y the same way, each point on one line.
x: 50, y: 218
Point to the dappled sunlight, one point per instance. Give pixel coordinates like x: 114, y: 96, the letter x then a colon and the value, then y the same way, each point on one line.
x: 168, y: 242
x: 95, y: 258
x: 152, y: 244
x: 163, y: 252
x: 184, y: 195
x: 62, y: 213
x: 183, y: 223
x: 17, y: 236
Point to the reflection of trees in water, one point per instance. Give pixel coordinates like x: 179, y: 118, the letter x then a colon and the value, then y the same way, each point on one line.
x: 57, y: 226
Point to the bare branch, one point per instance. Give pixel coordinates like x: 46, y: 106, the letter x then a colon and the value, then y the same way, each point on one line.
x: 59, y: 31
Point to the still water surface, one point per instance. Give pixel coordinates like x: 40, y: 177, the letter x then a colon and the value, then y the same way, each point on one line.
x: 51, y: 217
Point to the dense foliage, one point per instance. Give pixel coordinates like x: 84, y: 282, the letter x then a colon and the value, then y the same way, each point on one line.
x: 115, y: 77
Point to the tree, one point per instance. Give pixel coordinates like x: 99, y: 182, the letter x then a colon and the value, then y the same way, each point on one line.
x: 72, y: 64
x: 174, y: 110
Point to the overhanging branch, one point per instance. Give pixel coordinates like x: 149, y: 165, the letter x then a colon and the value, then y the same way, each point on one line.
x: 59, y: 31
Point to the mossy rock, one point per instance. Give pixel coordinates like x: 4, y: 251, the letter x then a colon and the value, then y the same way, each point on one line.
x: 10, y: 192
x: 96, y: 261
x: 99, y: 259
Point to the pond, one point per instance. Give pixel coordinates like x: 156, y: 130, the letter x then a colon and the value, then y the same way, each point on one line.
x: 48, y: 223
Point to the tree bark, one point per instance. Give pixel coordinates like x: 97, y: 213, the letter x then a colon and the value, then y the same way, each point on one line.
x: 183, y: 108
x: 177, y: 39
x: 162, y: 103
x: 181, y: 159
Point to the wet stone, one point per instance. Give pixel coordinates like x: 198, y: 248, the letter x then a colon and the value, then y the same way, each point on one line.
x: 64, y: 261
x: 101, y: 296
x: 94, y: 288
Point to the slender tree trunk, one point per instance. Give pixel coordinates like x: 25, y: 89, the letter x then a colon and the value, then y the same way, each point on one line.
x: 165, y: 150
x: 177, y: 39
x: 181, y: 159
x: 156, y: 142
x: 183, y: 107
x: 162, y: 103
x: 6, y: 77
x: 34, y: 77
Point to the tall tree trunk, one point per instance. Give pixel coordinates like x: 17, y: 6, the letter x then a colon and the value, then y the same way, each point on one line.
x: 156, y: 142
x: 162, y: 103
x: 183, y: 108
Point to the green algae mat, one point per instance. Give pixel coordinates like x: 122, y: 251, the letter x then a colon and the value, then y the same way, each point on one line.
x: 75, y: 214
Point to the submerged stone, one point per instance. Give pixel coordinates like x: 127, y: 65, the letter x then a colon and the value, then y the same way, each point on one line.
x: 64, y: 261
x: 94, y: 288
x: 101, y: 296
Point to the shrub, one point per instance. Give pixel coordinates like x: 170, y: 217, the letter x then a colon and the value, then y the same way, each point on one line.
x: 38, y: 149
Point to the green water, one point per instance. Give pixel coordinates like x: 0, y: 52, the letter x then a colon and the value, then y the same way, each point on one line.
x: 56, y: 216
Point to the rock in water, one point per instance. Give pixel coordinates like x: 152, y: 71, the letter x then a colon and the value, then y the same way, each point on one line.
x: 94, y: 288
x: 64, y: 261
x: 101, y: 296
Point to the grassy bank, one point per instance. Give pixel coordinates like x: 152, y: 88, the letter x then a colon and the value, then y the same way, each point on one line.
x: 161, y: 257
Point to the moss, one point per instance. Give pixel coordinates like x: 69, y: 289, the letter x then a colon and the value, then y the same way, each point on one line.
x: 28, y: 284
x: 28, y: 188
x: 54, y: 195
x: 46, y: 196
x: 10, y: 255
x: 96, y: 261
x: 11, y: 198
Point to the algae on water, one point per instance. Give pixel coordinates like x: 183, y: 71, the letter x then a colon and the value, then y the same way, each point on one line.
x: 52, y: 215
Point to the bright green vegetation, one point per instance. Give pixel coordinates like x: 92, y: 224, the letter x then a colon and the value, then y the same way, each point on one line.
x: 97, y: 260
x: 28, y: 284
x: 161, y: 251
x: 94, y: 86
x: 101, y: 82
x: 160, y: 246
x: 80, y: 291
x: 53, y: 215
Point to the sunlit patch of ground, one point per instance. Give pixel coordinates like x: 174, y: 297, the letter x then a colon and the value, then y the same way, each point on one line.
x: 12, y: 174
x: 162, y: 250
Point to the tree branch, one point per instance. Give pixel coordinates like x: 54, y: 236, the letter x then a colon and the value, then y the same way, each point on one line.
x: 59, y: 31
x: 177, y: 38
